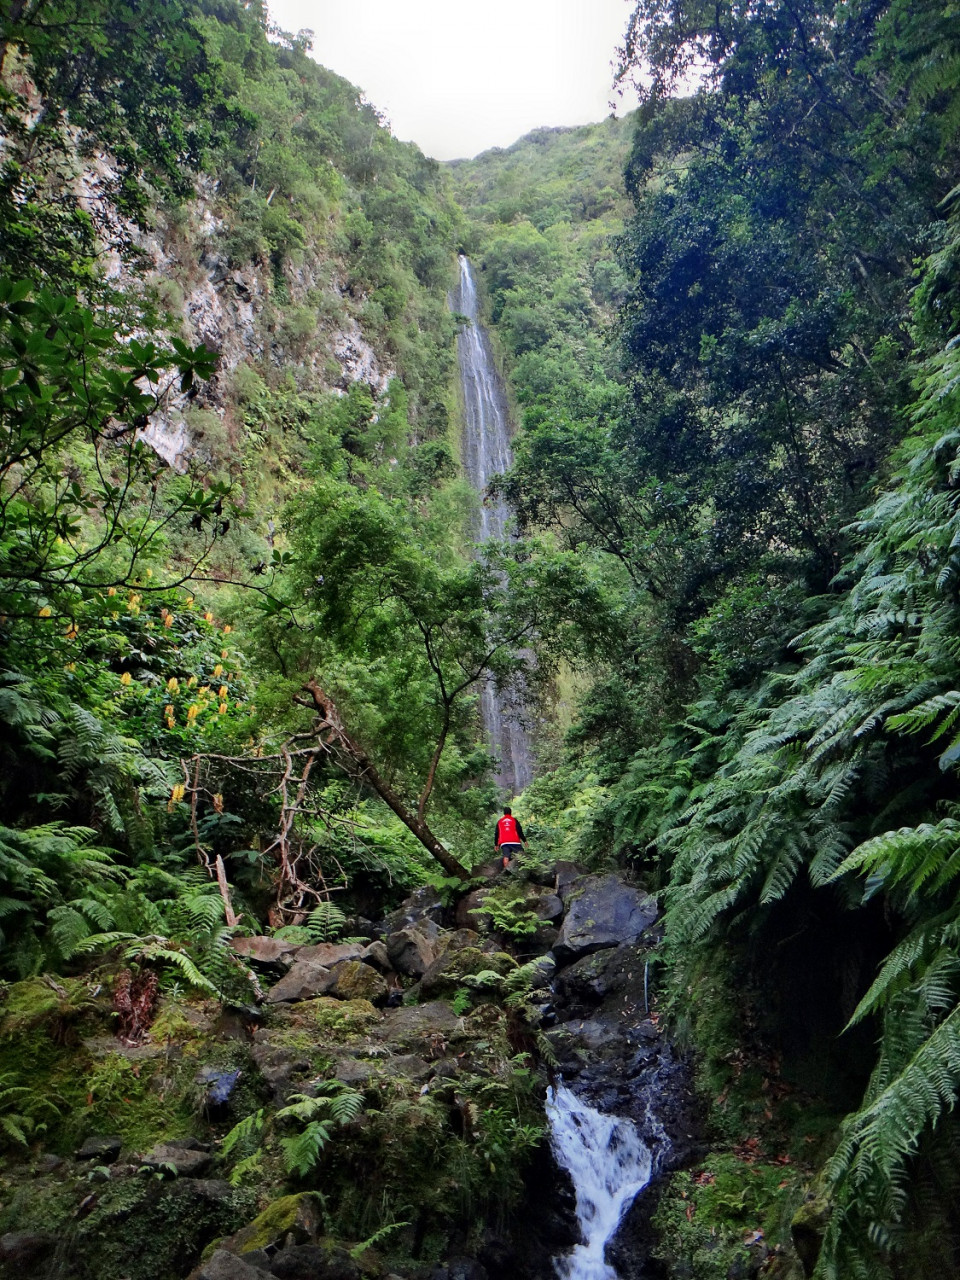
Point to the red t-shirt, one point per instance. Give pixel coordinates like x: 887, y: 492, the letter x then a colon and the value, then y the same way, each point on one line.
x: 509, y: 831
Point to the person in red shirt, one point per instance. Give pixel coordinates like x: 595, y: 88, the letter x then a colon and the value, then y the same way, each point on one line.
x: 508, y: 838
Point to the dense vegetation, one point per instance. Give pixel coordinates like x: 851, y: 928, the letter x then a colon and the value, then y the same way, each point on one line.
x: 243, y: 684
x: 766, y: 510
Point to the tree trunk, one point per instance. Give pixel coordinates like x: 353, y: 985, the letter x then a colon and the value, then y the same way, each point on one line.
x: 363, y: 769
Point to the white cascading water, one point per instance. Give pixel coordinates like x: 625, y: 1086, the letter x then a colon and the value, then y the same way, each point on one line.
x: 487, y: 453
x: 608, y: 1164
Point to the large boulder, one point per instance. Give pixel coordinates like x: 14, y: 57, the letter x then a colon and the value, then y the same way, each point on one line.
x: 376, y: 954
x: 292, y: 1219
x: 448, y: 971
x: 222, y: 1265
x: 306, y: 979
x: 331, y: 953
x: 264, y: 950
x: 354, y: 980
x: 470, y: 913
x: 417, y: 1026
x: 423, y: 908
x: 602, y: 912
x: 410, y: 951
x: 184, y: 1157
x: 323, y: 1261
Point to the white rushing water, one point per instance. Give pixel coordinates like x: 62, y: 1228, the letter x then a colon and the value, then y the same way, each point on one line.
x: 487, y: 453
x: 608, y: 1164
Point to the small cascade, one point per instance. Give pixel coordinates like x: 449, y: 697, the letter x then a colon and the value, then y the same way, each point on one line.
x: 487, y: 453
x: 608, y: 1164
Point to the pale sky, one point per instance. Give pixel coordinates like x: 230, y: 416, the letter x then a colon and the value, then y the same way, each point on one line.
x: 458, y: 77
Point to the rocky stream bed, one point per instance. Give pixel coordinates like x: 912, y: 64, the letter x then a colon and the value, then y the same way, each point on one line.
x: 132, y: 1179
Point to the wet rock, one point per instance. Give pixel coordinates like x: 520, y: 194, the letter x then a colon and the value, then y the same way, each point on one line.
x: 545, y: 904
x: 602, y: 912
x: 263, y: 950
x: 590, y: 978
x: 23, y: 1249
x: 354, y: 980
x: 377, y: 956
x: 222, y: 1265
x: 104, y: 1148
x: 306, y: 979
x: 314, y: 1262
x: 448, y: 971
x: 331, y: 953
x: 423, y: 908
x: 410, y: 951
x: 184, y: 1158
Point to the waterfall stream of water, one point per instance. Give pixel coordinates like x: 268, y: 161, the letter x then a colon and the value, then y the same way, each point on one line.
x: 608, y: 1164
x: 486, y: 453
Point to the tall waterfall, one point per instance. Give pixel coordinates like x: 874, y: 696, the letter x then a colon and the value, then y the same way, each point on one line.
x: 608, y: 1164
x: 486, y: 453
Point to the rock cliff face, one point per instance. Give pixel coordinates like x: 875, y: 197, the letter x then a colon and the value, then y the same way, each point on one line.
x: 231, y: 309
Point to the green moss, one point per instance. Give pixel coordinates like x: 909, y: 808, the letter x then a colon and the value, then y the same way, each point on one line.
x: 714, y: 1220
x: 343, y: 1020
x: 296, y: 1213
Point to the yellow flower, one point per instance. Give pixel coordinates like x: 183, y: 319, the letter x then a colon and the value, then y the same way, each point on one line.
x: 173, y: 684
x: 223, y: 653
x: 71, y: 632
x: 111, y: 591
x: 208, y: 616
x: 227, y: 630
x: 170, y: 722
x: 168, y: 620
x: 189, y: 600
x: 126, y: 678
x: 222, y: 691
x: 192, y: 682
x: 204, y: 691
x: 46, y: 611
x: 223, y: 707
x: 192, y: 711
x: 176, y: 795
x: 71, y: 666
x: 218, y: 669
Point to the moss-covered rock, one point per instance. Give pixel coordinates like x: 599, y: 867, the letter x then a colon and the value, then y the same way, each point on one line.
x: 295, y: 1218
x: 807, y: 1229
x: 448, y: 971
x: 354, y: 980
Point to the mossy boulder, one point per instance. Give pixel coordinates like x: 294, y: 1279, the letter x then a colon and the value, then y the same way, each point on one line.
x: 448, y: 971
x: 296, y: 1219
x: 807, y: 1230
x: 354, y: 980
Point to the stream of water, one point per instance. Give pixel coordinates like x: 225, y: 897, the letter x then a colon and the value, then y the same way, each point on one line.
x: 486, y: 453
x: 608, y: 1165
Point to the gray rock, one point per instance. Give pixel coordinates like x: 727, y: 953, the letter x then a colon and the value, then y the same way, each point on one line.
x: 307, y: 978
x: 104, y: 1148
x: 449, y: 970
x: 314, y: 1262
x: 262, y: 949
x: 470, y: 914
x: 423, y: 907
x: 331, y: 953
x: 602, y: 912
x: 414, y: 1025
x: 590, y: 978
x: 185, y: 1161
x: 47, y: 1163
x: 410, y: 952
x: 566, y: 875
x: 278, y: 1065
x: 543, y: 902
x: 377, y: 956
x: 360, y: 1071
x: 226, y: 1266
x: 354, y: 980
